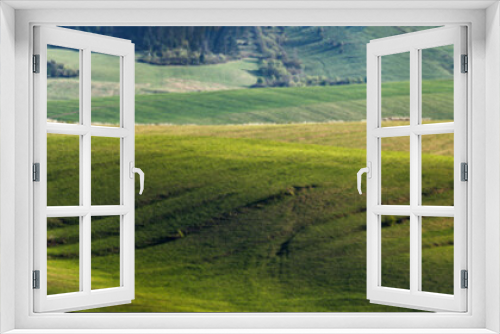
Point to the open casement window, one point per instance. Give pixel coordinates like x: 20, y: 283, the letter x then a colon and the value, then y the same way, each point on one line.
x: 68, y: 191
x: 412, y: 127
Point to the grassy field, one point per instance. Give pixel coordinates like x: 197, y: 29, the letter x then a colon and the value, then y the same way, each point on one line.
x: 251, y: 219
x: 270, y: 105
x: 341, y: 52
x: 150, y: 79
x: 250, y: 201
x: 330, y: 51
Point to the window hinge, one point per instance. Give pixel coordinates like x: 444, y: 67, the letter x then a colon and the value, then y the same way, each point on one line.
x: 36, y: 172
x: 465, y: 279
x: 36, y: 279
x: 465, y: 64
x: 36, y: 63
x: 464, y: 171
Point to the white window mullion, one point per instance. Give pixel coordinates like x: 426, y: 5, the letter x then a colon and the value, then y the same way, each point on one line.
x: 96, y: 131
x: 414, y: 171
x: 81, y: 132
x: 67, y: 129
x: 434, y: 129
x: 103, y: 131
x: 86, y: 180
x: 127, y: 121
x: 122, y: 176
x: 434, y: 211
x: 398, y: 210
x: 86, y: 256
x: 392, y: 131
x: 373, y: 183
x: 422, y: 211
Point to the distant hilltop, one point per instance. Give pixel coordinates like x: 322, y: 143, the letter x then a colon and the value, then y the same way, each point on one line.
x: 312, y: 55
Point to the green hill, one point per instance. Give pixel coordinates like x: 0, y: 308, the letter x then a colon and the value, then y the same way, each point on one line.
x: 266, y: 105
x: 341, y: 52
x: 150, y: 79
x: 248, y: 219
x: 323, y: 51
x: 293, y: 56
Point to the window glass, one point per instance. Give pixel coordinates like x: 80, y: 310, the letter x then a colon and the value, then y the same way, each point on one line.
x: 395, y: 246
x: 105, y: 89
x: 437, y: 254
x: 63, y: 251
x: 437, y: 169
x: 63, y: 170
x: 395, y: 97
x: 105, y: 171
x: 105, y: 252
x: 63, y: 83
x: 437, y: 85
x: 395, y: 171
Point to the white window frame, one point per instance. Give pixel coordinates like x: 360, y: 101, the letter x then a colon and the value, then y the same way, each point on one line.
x: 413, y: 44
x: 85, y: 43
x: 483, y: 314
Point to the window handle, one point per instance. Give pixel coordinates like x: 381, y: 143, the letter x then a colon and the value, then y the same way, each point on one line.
x: 141, y: 175
x: 368, y: 171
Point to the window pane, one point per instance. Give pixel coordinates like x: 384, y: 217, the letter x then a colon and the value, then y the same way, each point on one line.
x: 395, y: 245
x: 437, y: 169
x: 63, y: 251
x: 395, y: 92
x: 105, y: 252
x: 395, y: 171
x: 63, y: 85
x: 437, y: 84
x: 105, y: 89
x: 63, y: 170
x: 105, y: 171
x: 437, y: 254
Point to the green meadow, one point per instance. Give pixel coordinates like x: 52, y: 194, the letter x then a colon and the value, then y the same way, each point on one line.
x: 250, y: 219
x: 264, y: 105
x: 250, y: 200
x: 341, y: 52
x: 150, y: 79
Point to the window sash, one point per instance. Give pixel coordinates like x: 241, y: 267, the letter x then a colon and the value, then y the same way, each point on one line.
x: 86, y: 297
x: 413, y: 43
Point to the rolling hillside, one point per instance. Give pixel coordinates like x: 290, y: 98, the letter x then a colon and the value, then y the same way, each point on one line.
x: 150, y: 79
x: 335, y: 53
x: 341, y: 52
x: 250, y: 201
x: 266, y: 105
x: 323, y: 51
x: 250, y: 219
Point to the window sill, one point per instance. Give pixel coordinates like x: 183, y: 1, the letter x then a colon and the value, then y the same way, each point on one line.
x: 251, y: 331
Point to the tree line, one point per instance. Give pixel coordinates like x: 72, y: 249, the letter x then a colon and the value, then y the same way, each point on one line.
x: 198, y: 45
x: 180, y: 45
